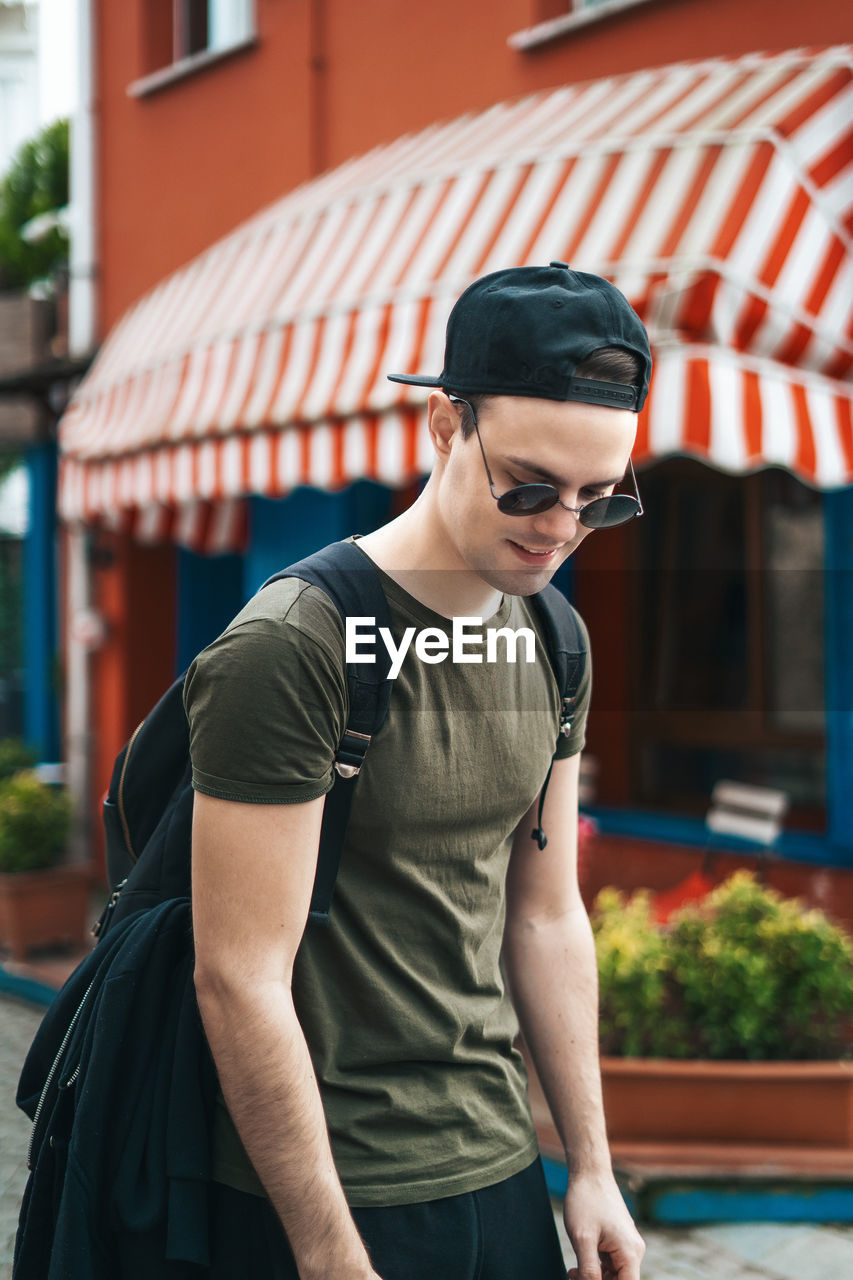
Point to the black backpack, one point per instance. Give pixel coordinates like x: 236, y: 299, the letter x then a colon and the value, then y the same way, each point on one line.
x: 127, y: 1015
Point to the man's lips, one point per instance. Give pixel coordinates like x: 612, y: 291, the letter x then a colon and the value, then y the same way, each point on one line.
x: 533, y: 555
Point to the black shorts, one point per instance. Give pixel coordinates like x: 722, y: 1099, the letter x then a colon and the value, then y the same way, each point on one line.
x: 503, y: 1232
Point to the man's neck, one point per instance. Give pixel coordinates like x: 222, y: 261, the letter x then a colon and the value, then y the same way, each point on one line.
x: 414, y: 552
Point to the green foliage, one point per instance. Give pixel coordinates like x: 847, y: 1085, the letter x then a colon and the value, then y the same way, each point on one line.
x: 634, y: 979
x: 15, y: 755
x: 8, y: 463
x: 747, y: 974
x: 36, y: 182
x: 34, y: 823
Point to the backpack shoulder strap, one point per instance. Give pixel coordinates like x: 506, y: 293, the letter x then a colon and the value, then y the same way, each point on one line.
x: 566, y: 648
x: 567, y: 652
x: 353, y: 585
x: 148, y: 810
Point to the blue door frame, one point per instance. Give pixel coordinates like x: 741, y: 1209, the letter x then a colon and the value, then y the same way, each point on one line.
x: 41, y: 721
x: 838, y: 631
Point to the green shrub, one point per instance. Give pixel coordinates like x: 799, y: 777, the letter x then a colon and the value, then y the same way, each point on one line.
x: 14, y: 756
x: 34, y: 823
x: 634, y: 979
x: 36, y: 182
x: 745, y: 974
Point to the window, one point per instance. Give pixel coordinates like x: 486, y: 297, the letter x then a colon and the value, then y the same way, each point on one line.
x: 727, y: 608
x: 210, y: 25
x: 182, y: 36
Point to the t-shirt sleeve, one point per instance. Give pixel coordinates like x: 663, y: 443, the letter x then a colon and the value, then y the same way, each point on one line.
x: 267, y: 702
x: 577, y: 738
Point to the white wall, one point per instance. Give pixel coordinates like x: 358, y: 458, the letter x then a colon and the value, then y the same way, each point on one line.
x: 58, y: 70
x: 19, y: 99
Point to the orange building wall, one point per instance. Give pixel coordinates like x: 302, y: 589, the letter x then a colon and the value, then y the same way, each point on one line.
x: 181, y: 167
x: 134, y: 592
x: 329, y: 79
x: 423, y: 62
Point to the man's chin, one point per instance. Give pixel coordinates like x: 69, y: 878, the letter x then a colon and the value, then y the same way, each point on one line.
x: 519, y: 582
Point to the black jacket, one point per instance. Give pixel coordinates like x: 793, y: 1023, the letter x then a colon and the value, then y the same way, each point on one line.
x: 121, y: 1134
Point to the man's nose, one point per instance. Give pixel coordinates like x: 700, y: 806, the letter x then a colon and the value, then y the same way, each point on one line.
x: 557, y: 523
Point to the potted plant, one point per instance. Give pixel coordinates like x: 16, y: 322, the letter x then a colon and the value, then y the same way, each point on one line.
x: 41, y: 901
x: 731, y: 1023
x: 729, y: 1028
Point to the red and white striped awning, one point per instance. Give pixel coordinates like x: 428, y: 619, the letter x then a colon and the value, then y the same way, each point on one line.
x: 717, y: 195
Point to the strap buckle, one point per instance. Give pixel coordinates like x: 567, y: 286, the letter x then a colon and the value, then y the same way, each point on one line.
x: 351, y: 753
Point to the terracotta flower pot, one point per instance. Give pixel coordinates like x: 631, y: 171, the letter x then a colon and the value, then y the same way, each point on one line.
x: 739, y: 1116
x: 767, y: 1103
x: 42, y: 907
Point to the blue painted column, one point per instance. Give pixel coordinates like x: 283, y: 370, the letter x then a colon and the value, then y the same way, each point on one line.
x: 212, y: 589
x: 210, y: 593
x: 40, y: 711
x: 285, y: 530
x: 838, y: 624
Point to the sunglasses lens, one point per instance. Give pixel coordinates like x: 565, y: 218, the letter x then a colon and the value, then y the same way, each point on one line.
x: 528, y: 499
x: 604, y: 513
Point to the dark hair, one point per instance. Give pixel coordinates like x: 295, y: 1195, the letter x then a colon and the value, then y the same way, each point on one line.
x: 476, y: 403
x: 607, y: 364
x: 611, y: 364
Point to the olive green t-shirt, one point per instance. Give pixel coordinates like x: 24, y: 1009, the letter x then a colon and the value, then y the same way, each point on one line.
x: 401, y: 998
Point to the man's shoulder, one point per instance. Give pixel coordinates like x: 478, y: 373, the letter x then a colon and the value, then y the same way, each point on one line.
x: 291, y: 602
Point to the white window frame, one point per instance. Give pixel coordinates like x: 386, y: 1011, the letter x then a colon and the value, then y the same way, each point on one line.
x: 580, y: 14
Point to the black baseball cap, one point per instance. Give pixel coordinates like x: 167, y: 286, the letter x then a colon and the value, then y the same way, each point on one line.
x: 523, y: 332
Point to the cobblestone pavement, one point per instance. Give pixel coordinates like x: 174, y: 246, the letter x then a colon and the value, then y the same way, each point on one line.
x: 18, y: 1023
x: 745, y: 1251
x: 742, y: 1251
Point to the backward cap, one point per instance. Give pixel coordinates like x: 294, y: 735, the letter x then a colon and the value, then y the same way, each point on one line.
x: 524, y: 330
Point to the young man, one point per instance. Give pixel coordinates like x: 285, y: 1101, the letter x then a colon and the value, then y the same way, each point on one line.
x: 370, y: 1068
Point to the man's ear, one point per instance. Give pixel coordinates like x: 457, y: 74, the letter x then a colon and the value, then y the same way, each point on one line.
x: 444, y: 420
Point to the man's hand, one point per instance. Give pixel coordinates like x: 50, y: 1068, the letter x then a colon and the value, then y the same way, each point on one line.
x: 607, y: 1245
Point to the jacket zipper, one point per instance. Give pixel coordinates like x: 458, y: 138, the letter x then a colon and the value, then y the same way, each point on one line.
x: 53, y: 1070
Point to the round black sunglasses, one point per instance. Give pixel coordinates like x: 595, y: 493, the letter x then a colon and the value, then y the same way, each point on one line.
x: 532, y: 499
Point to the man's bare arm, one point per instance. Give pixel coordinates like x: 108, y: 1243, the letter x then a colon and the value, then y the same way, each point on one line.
x: 551, y: 966
x: 253, y: 872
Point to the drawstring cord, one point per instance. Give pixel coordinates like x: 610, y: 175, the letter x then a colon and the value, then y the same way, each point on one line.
x: 537, y: 833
